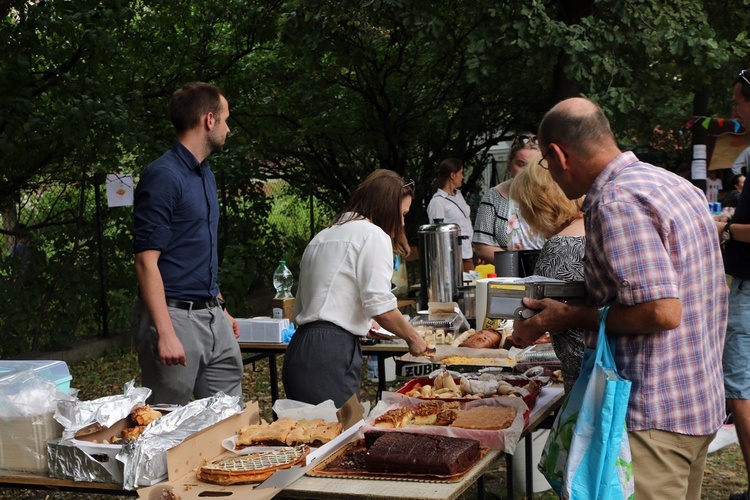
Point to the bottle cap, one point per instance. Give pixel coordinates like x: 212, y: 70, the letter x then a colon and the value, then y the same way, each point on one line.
x: 282, y: 262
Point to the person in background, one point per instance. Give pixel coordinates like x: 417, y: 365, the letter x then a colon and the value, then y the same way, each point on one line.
x: 713, y: 186
x: 549, y: 212
x: 735, y: 237
x: 653, y: 256
x: 492, y: 232
x: 186, y: 341
x: 733, y: 196
x: 21, y: 252
x: 741, y: 163
x: 449, y: 205
x: 344, y: 284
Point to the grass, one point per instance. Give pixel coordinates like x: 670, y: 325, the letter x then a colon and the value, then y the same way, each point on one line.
x: 106, y: 376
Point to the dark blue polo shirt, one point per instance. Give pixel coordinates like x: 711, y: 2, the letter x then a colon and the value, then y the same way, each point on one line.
x: 176, y: 211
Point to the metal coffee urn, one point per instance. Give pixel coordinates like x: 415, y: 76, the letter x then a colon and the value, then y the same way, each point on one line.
x: 441, y: 270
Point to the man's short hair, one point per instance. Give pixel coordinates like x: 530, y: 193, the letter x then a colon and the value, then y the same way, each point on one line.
x: 192, y: 101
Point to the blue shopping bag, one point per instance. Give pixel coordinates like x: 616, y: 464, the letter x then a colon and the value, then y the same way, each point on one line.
x: 587, y: 454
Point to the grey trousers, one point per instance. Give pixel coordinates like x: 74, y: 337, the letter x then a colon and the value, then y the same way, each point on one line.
x: 214, y: 361
x: 323, y: 361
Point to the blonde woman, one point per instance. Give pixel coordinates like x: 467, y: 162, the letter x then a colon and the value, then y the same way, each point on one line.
x: 547, y: 210
x: 497, y: 227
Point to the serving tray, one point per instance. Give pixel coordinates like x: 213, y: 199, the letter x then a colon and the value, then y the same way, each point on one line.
x: 349, y: 463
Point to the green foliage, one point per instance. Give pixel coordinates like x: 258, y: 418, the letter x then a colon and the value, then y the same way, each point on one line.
x: 290, y: 217
x: 321, y: 93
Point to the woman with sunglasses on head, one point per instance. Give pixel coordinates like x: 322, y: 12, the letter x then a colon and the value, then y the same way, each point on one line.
x: 492, y: 232
x: 345, y: 283
x: 449, y: 205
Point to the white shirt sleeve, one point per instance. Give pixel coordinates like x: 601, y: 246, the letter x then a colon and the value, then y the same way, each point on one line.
x: 374, y: 272
x: 436, y: 209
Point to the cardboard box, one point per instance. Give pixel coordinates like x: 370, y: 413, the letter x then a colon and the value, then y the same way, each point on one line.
x: 284, y: 306
x: 89, y: 448
x: 411, y: 366
x: 183, y: 459
x: 408, y: 368
x: 23, y: 442
x: 105, y: 454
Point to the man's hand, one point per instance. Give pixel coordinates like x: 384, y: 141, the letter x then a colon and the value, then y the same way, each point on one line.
x: 721, y: 218
x: 233, y: 322
x: 170, y: 351
x: 550, y: 317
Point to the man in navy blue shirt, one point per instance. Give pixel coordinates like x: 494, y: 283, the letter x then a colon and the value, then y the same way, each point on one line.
x: 185, y: 339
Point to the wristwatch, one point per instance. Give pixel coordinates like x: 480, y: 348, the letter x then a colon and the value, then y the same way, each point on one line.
x: 726, y: 233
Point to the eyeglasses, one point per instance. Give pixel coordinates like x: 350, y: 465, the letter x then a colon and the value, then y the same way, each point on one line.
x: 409, y: 185
x: 524, y: 139
x: 743, y: 75
x: 543, y: 163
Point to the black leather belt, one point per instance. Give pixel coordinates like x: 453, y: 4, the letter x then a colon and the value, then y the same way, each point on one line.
x: 195, y: 305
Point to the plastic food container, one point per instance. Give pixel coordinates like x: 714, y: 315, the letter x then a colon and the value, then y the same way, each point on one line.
x: 56, y: 371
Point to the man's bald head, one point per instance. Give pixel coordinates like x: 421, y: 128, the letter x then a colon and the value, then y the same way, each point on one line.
x: 576, y: 137
x: 579, y: 125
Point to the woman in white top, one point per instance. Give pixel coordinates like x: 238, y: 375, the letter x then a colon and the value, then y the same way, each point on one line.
x: 345, y: 283
x: 449, y: 205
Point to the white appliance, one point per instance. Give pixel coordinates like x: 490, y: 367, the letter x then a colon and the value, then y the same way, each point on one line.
x: 481, y: 299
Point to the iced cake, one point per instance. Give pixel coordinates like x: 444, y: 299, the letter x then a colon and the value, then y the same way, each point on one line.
x: 406, y: 453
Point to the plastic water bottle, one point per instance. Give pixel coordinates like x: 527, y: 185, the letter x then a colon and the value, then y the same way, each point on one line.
x: 283, y: 281
x: 372, y: 368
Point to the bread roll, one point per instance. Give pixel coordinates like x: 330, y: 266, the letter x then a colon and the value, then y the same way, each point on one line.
x: 486, y: 339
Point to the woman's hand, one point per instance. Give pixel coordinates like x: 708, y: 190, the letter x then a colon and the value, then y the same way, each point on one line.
x: 417, y: 346
x: 394, y: 322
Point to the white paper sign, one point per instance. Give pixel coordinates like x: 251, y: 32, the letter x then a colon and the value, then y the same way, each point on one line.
x: 119, y: 190
x: 699, y: 152
x: 698, y: 170
x: 698, y: 166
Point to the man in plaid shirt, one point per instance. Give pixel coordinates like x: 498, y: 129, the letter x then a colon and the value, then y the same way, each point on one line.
x: 653, y: 254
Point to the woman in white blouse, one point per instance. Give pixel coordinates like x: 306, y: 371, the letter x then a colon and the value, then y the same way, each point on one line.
x: 449, y: 205
x: 345, y: 283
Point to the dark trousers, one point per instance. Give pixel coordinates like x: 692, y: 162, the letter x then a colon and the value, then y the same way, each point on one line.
x: 323, y: 361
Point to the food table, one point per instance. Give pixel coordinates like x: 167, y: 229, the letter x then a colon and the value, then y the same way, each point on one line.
x: 549, y: 401
x: 35, y: 481
x: 384, y: 349
x: 319, y: 487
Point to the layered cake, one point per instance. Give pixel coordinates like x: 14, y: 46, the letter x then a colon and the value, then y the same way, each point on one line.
x: 395, y: 418
x: 405, y: 453
x: 485, y: 417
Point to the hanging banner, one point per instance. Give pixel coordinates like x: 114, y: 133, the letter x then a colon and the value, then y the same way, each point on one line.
x: 120, y: 190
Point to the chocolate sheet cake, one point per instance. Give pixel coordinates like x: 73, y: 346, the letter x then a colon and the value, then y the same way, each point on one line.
x: 406, y: 453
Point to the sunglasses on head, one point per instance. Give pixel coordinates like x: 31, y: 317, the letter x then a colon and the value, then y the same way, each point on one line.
x: 744, y: 75
x: 525, y: 139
